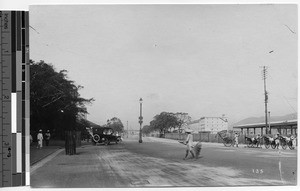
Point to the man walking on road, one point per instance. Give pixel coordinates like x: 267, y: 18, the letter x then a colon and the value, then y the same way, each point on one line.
x: 189, y: 143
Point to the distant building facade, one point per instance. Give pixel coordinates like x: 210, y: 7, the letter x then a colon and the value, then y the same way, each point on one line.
x: 211, y: 124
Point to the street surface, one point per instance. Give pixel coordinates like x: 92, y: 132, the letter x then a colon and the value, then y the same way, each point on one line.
x: 159, y: 162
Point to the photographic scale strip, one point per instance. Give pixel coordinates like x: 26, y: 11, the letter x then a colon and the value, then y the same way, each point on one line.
x: 15, y: 91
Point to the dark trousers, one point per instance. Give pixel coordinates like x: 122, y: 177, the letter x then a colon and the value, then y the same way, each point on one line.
x: 47, y: 142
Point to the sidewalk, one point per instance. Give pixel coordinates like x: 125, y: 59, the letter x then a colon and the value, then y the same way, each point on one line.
x: 38, y: 154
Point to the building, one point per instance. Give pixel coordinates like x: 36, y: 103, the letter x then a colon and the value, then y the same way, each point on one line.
x: 133, y: 132
x: 211, y: 124
x: 288, y: 127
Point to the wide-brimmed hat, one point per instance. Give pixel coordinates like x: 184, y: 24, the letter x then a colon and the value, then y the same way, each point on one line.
x: 188, y: 130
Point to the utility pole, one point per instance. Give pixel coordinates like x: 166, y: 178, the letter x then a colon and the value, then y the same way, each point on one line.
x: 264, y: 76
x: 127, y: 129
x: 270, y: 121
x: 141, y: 120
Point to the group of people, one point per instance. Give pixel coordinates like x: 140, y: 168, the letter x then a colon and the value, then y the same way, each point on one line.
x: 257, y: 137
x: 40, y: 138
x: 236, y: 139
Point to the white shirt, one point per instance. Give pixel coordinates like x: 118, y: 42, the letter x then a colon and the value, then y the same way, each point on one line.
x: 189, y: 140
x: 40, y: 136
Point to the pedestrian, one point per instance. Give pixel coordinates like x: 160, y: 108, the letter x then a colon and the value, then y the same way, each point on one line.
x: 197, y: 149
x: 40, y: 139
x: 258, y: 140
x: 277, y: 136
x: 189, y: 143
x: 236, y: 139
x: 47, y: 137
x: 30, y: 140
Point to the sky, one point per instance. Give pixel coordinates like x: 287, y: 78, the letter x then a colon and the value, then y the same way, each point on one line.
x: 205, y: 60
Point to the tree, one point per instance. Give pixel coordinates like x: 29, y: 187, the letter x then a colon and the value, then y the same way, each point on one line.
x: 183, y: 118
x: 116, y: 124
x: 54, y: 100
x: 146, y: 129
x: 163, y: 122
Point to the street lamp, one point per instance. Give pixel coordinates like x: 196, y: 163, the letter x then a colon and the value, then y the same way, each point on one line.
x: 141, y: 120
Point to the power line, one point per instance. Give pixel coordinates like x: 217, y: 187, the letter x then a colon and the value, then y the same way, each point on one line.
x: 283, y: 97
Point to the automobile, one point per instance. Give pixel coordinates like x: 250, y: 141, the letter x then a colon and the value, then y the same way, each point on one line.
x: 105, y: 135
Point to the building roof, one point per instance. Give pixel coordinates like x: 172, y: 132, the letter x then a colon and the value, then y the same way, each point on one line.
x: 273, y: 124
x: 195, y: 121
x: 198, y: 120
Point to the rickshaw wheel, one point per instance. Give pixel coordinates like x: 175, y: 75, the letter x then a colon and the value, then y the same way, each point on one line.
x: 267, y: 145
x: 291, y: 147
x: 249, y: 144
x: 228, y: 143
x: 273, y: 145
x: 283, y: 145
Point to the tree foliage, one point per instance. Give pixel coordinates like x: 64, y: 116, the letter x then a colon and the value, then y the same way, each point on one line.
x: 146, y: 129
x: 164, y: 121
x: 55, y: 102
x: 183, y: 118
x: 116, y: 124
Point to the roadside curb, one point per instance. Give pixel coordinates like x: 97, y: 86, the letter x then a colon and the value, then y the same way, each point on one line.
x: 40, y: 159
x: 44, y: 160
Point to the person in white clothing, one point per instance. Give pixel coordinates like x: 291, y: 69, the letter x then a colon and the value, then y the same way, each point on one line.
x: 189, y: 144
x: 40, y: 139
x: 236, y: 139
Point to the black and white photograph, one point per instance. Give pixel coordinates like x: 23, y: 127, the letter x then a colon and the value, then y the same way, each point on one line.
x: 163, y: 95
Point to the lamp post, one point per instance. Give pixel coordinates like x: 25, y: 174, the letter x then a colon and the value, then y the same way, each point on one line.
x: 141, y: 120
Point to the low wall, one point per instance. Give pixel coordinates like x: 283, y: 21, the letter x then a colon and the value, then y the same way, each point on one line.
x: 203, y: 137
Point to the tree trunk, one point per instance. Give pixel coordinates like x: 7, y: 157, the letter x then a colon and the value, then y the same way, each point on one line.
x: 70, y: 142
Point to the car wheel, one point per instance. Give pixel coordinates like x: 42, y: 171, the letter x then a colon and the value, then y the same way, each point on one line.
x: 96, y: 138
x: 106, y: 142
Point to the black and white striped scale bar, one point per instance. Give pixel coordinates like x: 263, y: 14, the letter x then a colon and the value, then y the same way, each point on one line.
x: 14, y: 104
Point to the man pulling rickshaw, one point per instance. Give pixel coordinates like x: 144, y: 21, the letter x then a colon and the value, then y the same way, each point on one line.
x: 194, y: 148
